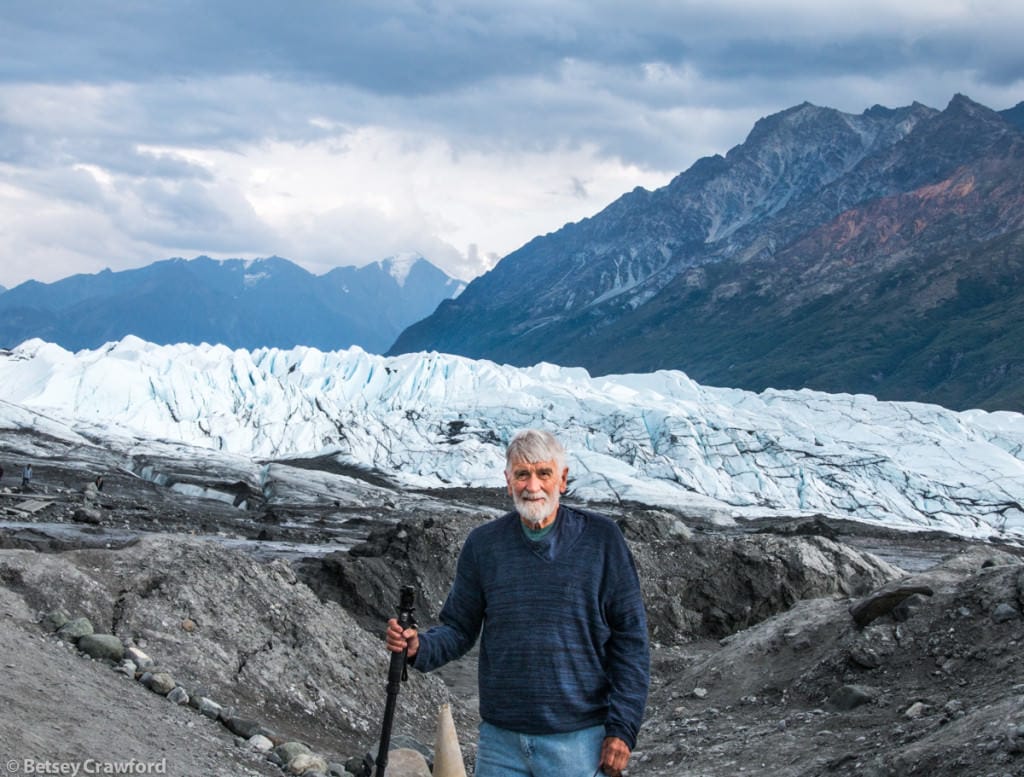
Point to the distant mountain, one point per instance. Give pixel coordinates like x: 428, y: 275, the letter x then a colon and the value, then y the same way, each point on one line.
x: 876, y: 253
x: 235, y: 302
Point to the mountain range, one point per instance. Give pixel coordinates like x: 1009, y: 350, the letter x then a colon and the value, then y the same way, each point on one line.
x: 878, y: 253
x: 239, y: 303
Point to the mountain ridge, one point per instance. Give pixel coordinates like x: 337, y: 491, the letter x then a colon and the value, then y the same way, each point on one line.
x: 238, y: 302
x: 622, y: 299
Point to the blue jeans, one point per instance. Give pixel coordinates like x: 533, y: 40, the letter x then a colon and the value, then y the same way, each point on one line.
x: 504, y: 753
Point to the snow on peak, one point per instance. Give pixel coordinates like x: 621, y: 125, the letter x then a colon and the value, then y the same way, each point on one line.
x: 251, y: 279
x: 432, y: 419
x: 398, y: 266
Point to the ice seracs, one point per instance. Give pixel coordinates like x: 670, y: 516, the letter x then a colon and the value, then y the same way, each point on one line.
x: 431, y: 419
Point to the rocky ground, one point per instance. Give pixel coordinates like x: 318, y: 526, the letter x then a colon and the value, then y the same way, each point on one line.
x: 759, y: 665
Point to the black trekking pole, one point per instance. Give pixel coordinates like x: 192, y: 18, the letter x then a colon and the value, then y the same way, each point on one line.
x: 397, y: 672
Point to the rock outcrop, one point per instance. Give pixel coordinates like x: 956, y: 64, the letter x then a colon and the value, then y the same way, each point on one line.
x: 696, y: 585
x: 244, y: 633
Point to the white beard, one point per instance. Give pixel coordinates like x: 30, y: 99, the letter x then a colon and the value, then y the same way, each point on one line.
x: 534, y: 511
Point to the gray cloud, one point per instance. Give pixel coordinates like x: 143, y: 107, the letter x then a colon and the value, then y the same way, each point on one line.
x: 107, y: 107
x: 393, y: 47
x: 480, y: 70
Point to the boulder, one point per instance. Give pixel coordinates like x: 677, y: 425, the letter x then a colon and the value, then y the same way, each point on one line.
x: 849, y: 697
x: 884, y: 601
x: 75, y: 629
x: 138, y: 657
x: 260, y: 743
x: 307, y: 763
x: 54, y: 619
x: 88, y: 514
x: 245, y: 727
x: 1005, y: 612
x: 289, y: 750
x: 102, y: 646
x: 159, y: 682
x: 406, y: 762
x: 210, y: 708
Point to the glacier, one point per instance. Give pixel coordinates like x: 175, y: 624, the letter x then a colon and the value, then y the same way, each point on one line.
x: 429, y: 420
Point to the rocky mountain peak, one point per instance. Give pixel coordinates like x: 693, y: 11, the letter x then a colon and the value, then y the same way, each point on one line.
x: 614, y: 292
x: 963, y: 105
x: 636, y: 246
x: 639, y: 243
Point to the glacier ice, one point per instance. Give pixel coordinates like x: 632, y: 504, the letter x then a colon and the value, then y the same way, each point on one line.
x: 431, y: 419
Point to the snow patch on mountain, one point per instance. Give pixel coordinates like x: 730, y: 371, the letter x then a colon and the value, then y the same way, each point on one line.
x: 398, y: 266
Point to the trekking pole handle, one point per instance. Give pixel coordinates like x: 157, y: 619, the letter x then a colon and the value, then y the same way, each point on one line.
x: 407, y: 607
x: 397, y: 672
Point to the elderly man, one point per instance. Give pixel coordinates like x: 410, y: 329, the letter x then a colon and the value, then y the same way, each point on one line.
x: 564, y: 667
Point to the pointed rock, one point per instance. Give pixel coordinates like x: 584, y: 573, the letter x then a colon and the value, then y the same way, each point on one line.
x: 447, y: 754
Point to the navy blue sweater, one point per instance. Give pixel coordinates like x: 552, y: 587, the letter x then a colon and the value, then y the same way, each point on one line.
x: 564, y: 642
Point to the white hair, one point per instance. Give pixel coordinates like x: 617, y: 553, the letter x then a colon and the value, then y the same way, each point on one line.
x: 533, y: 445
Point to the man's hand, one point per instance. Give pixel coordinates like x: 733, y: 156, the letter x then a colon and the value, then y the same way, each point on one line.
x: 614, y: 756
x: 399, y: 640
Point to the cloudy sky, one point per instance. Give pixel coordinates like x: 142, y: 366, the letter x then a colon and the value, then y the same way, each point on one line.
x: 343, y: 132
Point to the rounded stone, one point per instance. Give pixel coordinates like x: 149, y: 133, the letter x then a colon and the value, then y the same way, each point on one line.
x: 162, y: 683
x: 287, y: 751
x: 102, y: 646
x: 54, y: 619
x: 74, y: 630
x: 406, y: 762
x: 1004, y: 612
x: 260, y: 743
x: 305, y: 763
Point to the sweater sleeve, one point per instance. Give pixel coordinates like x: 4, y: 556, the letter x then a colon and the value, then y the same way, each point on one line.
x: 628, y: 652
x: 460, y: 618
